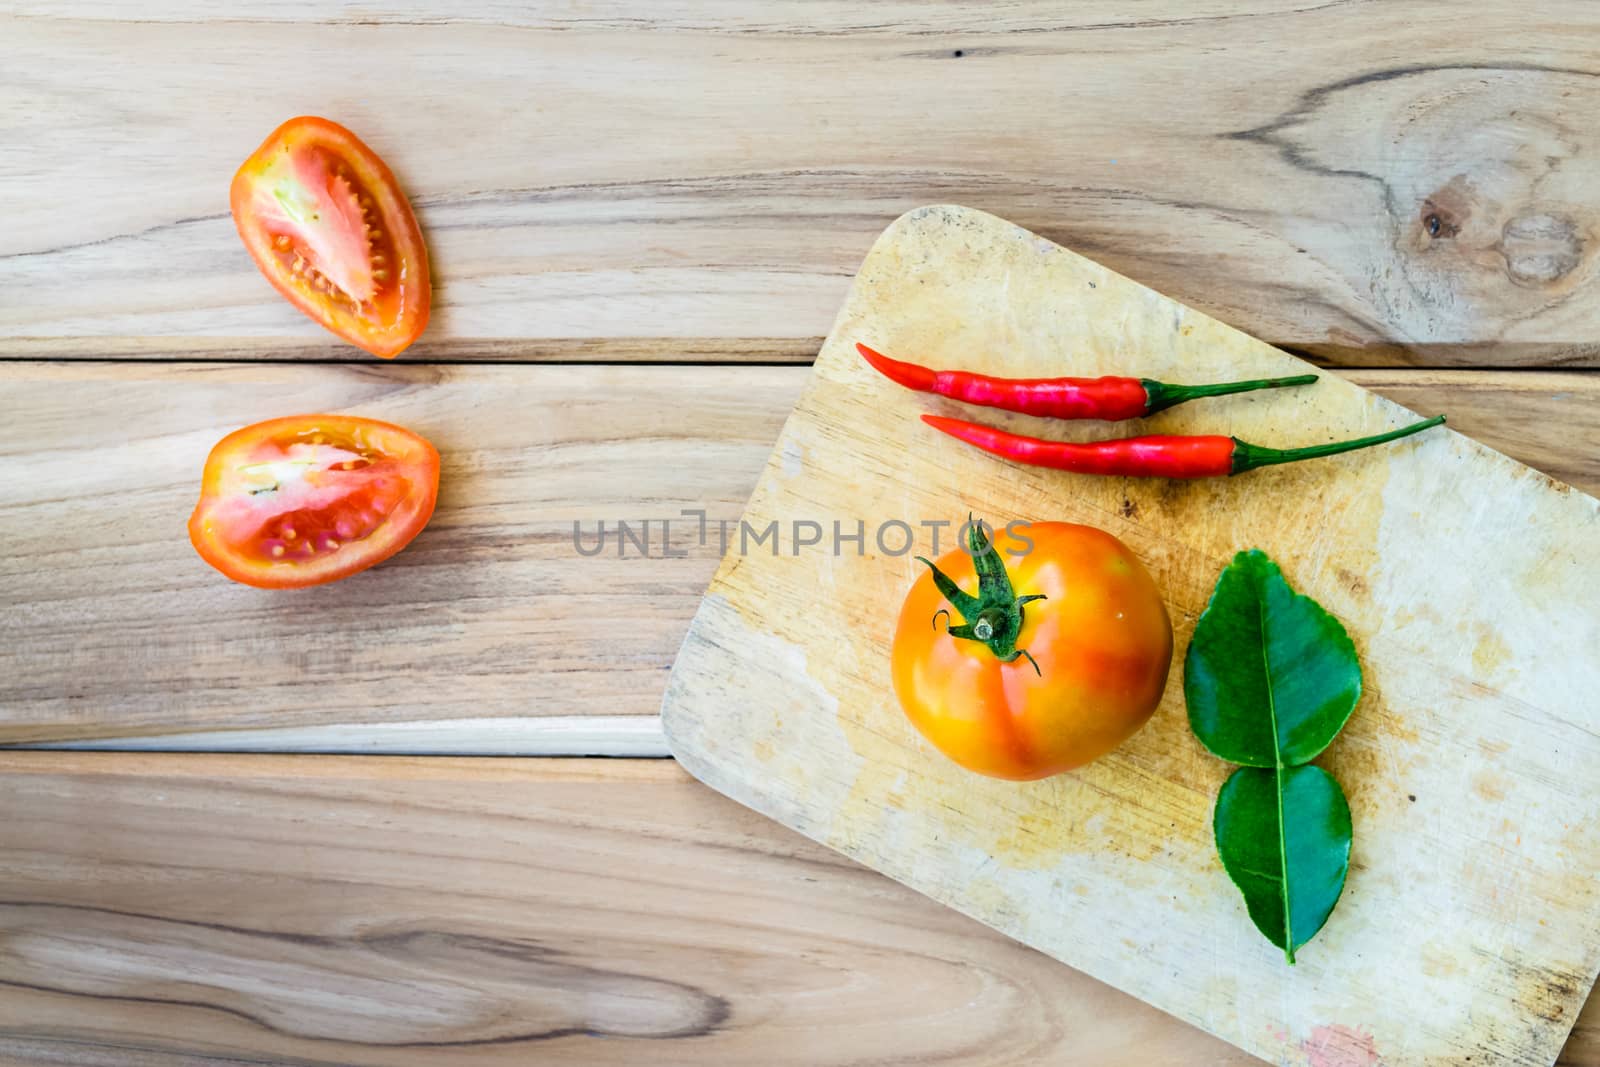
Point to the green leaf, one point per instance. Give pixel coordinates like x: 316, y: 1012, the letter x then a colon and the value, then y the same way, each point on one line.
x: 1284, y: 838
x: 1270, y: 677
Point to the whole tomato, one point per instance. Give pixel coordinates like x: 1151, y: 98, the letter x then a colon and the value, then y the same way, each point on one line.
x: 1034, y: 659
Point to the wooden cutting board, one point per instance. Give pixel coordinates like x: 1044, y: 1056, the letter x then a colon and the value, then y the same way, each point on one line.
x: 1469, y: 929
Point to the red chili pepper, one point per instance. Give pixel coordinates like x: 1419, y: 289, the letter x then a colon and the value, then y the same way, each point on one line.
x: 1109, y: 398
x: 1153, y: 456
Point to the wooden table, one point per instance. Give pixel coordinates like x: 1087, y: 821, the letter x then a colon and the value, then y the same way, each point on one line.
x: 642, y: 219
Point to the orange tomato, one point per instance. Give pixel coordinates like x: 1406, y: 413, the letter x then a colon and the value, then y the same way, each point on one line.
x: 327, y: 224
x: 310, y: 499
x: 1093, y: 659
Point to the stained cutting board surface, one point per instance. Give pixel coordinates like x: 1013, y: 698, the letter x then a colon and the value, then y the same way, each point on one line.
x: 1470, y: 925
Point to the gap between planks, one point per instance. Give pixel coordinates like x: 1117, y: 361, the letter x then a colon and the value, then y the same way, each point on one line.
x: 488, y: 351
x: 632, y: 736
x: 607, y: 351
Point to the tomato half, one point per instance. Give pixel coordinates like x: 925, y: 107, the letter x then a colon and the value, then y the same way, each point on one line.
x: 328, y: 225
x: 312, y: 498
x: 1094, y: 659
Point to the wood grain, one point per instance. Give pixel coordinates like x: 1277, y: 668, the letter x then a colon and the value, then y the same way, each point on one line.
x: 1375, y: 184
x: 110, y: 626
x: 315, y: 910
x: 1470, y: 926
x: 166, y: 910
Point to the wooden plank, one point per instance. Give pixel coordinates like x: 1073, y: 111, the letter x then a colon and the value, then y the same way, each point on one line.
x: 1375, y: 184
x: 1470, y: 927
x: 316, y: 910
x: 1551, y: 422
x: 110, y: 626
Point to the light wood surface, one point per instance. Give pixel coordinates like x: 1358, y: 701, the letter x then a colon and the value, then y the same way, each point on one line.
x: 111, y: 626
x: 1470, y: 926
x: 608, y: 182
x: 167, y: 910
x: 317, y: 910
x: 1376, y: 183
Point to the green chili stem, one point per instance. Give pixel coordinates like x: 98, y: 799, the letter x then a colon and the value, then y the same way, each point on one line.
x: 1248, y: 457
x: 1163, y: 396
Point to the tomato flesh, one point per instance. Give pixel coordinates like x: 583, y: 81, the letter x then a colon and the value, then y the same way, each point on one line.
x: 326, y: 222
x: 1101, y: 638
x: 312, y: 498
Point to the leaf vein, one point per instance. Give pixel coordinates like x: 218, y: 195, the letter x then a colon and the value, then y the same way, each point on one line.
x: 1277, y: 773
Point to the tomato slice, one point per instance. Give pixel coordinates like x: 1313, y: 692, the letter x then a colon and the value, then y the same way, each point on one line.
x: 328, y: 225
x: 312, y: 498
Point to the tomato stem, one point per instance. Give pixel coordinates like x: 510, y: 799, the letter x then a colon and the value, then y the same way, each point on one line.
x: 994, y: 616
